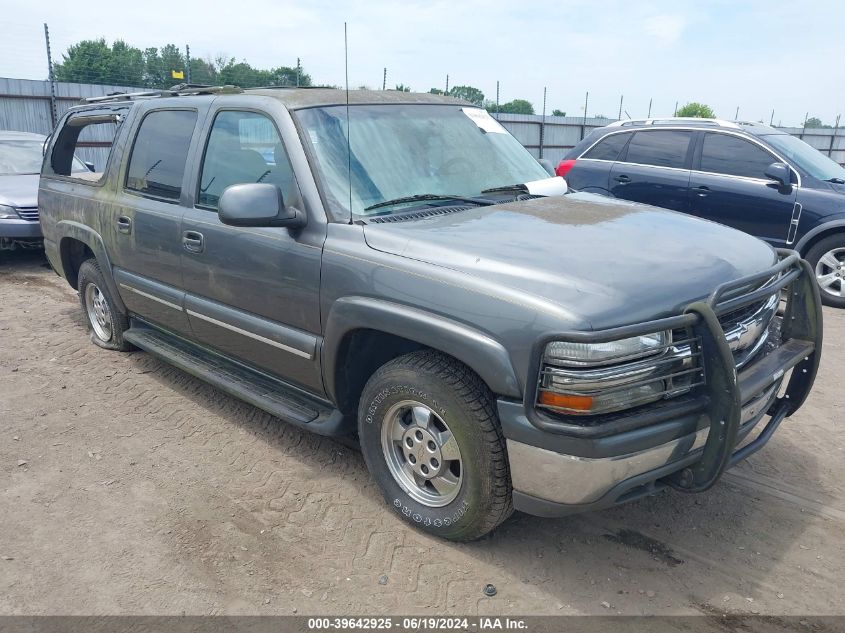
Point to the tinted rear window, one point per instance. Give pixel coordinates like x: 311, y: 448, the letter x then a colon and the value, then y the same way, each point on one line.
x: 608, y: 148
x: 726, y: 154
x: 159, y: 154
x: 666, y: 148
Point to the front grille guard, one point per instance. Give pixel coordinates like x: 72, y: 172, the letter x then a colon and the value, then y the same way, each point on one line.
x: 724, y: 392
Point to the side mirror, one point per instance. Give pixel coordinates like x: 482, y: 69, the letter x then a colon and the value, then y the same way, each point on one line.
x: 257, y: 204
x: 89, y: 165
x: 547, y: 165
x: 780, y: 173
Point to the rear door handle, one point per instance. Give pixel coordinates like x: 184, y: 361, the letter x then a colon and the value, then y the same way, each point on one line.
x: 193, y: 241
x: 124, y: 225
x: 622, y: 179
x: 701, y: 191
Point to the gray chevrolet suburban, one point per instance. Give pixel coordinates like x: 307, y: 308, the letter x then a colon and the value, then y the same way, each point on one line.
x: 397, y: 269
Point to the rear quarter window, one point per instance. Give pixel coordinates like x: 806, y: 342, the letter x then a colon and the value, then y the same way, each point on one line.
x: 85, y: 137
x: 608, y: 148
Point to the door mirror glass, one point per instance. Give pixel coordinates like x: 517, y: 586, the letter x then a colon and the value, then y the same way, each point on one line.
x: 779, y: 172
x: 89, y: 165
x: 257, y: 204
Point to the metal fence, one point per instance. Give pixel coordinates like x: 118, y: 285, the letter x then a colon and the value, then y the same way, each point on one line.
x: 27, y: 105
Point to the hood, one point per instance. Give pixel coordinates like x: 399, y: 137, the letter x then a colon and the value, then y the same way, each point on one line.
x: 19, y: 190
x: 610, y: 262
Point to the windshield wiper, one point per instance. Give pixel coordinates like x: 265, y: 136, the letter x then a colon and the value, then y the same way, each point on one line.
x: 517, y: 187
x: 420, y: 197
x: 836, y: 181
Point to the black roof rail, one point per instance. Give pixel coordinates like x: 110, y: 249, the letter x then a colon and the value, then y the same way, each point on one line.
x: 179, y: 90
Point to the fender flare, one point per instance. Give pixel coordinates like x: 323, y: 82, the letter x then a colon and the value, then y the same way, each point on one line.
x: 824, y: 227
x: 66, y: 229
x: 484, y: 355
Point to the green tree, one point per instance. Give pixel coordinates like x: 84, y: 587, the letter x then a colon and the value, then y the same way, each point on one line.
x: 815, y: 122
x: 203, y: 71
x: 467, y: 93
x: 517, y: 106
x: 436, y: 91
x: 94, y: 61
x: 402, y: 88
x: 286, y: 76
x: 697, y: 110
x: 557, y: 112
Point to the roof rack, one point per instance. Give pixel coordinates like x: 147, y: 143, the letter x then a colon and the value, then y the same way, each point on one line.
x: 179, y: 90
x: 675, y: 121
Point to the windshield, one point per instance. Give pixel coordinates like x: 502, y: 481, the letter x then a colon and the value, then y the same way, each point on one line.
x: 25, y: 157
x: 806, y: 157
x: 402, y: 150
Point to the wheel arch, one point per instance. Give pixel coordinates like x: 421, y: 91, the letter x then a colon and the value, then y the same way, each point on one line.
x: 362, y: 334
x: 78, y: 242
x: 820, y: 232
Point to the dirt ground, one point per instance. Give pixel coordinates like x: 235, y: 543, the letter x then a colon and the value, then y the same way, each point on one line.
x: 129, y: 487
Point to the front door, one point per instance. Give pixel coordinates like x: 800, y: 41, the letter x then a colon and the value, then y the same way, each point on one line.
x: 654, y: 169
x: 148, y: 216
x: 251, y: 293
x: 729, y: 186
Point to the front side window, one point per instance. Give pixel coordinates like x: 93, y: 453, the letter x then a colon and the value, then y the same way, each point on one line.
x: 243, y: 147
x: 608, y: 148
x: 734, y: 156
x: 666, y: 148
x: 157, y: 163
x: 400, y: 150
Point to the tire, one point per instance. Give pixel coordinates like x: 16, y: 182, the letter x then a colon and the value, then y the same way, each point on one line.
x: 821, y: 259
x: 423, y: 398
x: 106, y: 324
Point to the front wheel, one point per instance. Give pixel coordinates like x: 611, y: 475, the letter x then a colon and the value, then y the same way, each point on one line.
x: 106, y: 323
x: 432, y: 441
x: 827, y: 258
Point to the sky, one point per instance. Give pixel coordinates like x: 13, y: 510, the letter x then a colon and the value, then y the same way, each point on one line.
x: 754, y: 55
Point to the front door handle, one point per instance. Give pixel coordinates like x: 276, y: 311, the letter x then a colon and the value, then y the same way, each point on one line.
x: 193, y: 241
x: 701, y: 191
x: 622, y: 179
x: 124, y: 225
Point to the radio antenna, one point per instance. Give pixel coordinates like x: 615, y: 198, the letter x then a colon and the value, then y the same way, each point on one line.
x: 348, y: 142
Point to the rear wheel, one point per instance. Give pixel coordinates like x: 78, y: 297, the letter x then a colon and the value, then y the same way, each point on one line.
x: 106, y: 323
x: 827, y: 259
x: 432, y: 441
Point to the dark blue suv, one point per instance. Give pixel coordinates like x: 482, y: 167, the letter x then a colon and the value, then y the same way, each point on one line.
x: 747, y: 175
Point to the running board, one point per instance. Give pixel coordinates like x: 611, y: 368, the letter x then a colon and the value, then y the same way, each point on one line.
x: 273, y: 396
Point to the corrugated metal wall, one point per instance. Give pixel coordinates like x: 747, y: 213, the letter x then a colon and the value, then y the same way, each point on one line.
x: 25, y: 106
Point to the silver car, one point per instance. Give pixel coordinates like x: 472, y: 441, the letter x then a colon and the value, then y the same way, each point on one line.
x: 21, y: 154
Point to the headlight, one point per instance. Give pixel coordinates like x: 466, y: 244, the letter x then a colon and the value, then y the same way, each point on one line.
x: 594, y: 378
x: 580, y: 354
x: 8, y: 213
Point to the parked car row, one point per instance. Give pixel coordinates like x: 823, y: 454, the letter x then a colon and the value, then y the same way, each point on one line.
x: 746, y: 175
x: 397, y: 268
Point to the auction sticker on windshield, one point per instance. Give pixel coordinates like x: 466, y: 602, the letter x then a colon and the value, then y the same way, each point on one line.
x: 483, y: 120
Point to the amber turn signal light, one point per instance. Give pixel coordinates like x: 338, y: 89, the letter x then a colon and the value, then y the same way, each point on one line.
x: 565, y: 401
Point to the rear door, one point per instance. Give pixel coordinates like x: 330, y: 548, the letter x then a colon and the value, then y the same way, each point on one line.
x: 729, y: 186
x: 591, y: 171
x: 252, y: 293
x: 148, y: 216
x: 654, y: 169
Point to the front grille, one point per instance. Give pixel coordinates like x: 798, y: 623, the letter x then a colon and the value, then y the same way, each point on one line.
x: 28, y: 213
x: 746, y: 328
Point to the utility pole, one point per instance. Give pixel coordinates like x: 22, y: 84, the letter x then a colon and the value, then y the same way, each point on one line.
x: 649, y: 108
x: 543, y: 123
x: 497, y: 99
x: 298, y: 71
x: 384, y: 79
x: 187, y: 63
x: 621, y: 98
x: 675, y: 113
x: 772, y: 119
x: 584, y: 121
x: 51, y: 77
x: 736, y: 116
x: 447, y: 84
x: 833, y: 137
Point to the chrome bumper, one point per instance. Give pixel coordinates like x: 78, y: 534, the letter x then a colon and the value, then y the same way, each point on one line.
x: 571, y: 480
